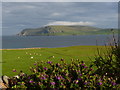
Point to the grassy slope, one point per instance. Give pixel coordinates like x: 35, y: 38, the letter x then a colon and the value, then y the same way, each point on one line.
x: 21, y: 59
x: 66, y: 30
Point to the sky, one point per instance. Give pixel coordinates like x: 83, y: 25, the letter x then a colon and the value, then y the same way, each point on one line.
x: 60, y: 0
x: 17, y: 16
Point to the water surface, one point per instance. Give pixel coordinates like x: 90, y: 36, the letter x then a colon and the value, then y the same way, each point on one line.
x: 9, y: 42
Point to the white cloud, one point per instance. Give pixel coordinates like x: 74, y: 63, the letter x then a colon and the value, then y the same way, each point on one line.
x: 70, y: 23
x: 29, y: 6
x: 55, y: 14
x: 22, y: 15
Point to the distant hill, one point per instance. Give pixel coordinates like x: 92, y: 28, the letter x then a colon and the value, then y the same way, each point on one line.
x: 64, y: 30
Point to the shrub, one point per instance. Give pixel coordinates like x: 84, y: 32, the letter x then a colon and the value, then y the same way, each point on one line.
x: 108, y: 63
x: 76, y: 75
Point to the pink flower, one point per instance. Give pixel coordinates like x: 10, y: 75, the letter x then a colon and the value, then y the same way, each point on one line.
x: 31, y: 81
x: 52, y: 83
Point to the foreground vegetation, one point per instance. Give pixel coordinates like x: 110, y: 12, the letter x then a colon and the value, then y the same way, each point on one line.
x: 23, y: 59
x: 75, y: 74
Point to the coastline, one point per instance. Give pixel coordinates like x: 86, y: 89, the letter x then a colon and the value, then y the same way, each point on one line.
x: 21, y: 48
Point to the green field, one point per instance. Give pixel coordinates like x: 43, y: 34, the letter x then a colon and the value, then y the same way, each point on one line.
x: 23, y: 59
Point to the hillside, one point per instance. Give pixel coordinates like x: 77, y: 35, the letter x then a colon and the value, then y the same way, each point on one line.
x: 63, y: 30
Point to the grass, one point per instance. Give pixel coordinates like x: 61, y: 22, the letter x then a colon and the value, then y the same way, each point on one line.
x: 23, y: 59
x: 58, y: 30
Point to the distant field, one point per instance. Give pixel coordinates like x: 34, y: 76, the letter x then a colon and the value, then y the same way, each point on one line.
x: 22, y: 59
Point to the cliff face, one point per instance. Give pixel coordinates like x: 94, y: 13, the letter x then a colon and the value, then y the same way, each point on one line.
x: 63, y: 30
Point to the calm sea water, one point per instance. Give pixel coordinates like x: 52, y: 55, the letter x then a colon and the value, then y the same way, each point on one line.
x: 52, y: 41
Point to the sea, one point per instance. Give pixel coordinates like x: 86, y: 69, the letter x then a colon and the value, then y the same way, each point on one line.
x: 14, y: 42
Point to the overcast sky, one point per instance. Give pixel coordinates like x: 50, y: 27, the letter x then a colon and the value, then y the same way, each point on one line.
x: 60, y: 0
x: 17, y: 16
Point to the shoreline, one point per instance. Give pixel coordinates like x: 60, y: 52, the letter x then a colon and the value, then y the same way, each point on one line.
x: 21, y: 48
x: 47, y: 47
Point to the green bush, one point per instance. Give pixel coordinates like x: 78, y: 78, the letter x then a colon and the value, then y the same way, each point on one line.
x: 75, y: 75
x: 108, y: 63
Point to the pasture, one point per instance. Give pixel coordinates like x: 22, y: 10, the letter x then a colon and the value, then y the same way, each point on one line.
x: 23, y: 59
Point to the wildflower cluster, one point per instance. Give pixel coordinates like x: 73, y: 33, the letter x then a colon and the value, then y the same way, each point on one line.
x: 62, y: 75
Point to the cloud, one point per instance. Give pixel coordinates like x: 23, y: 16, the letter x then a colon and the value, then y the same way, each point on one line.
x: 70, y: 23
x: 21, y: 15
x: 55, y: 14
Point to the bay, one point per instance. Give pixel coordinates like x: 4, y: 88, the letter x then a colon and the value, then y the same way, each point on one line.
x: 12, y: 42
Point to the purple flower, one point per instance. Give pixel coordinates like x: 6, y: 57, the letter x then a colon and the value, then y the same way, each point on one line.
x: 31, y: 81
x: 49, y: 62
x: 52, y: 83
x: 83, y: 64
x: 46, y: 76
x: 85, y: 83
x: 58, y: 78
x: 113, y: 83
x: 79, y: 79
x: 14, y: 70
x: 76, y: 81
x: 80, y: 74
x: 35, y: 64
x: 43, y: 78
x: 100, y: 83
x: 45, y: 68
x: 28, y: 77
x: 85, y: 67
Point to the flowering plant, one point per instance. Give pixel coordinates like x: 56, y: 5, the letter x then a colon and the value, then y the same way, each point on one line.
x: 62, y: 75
